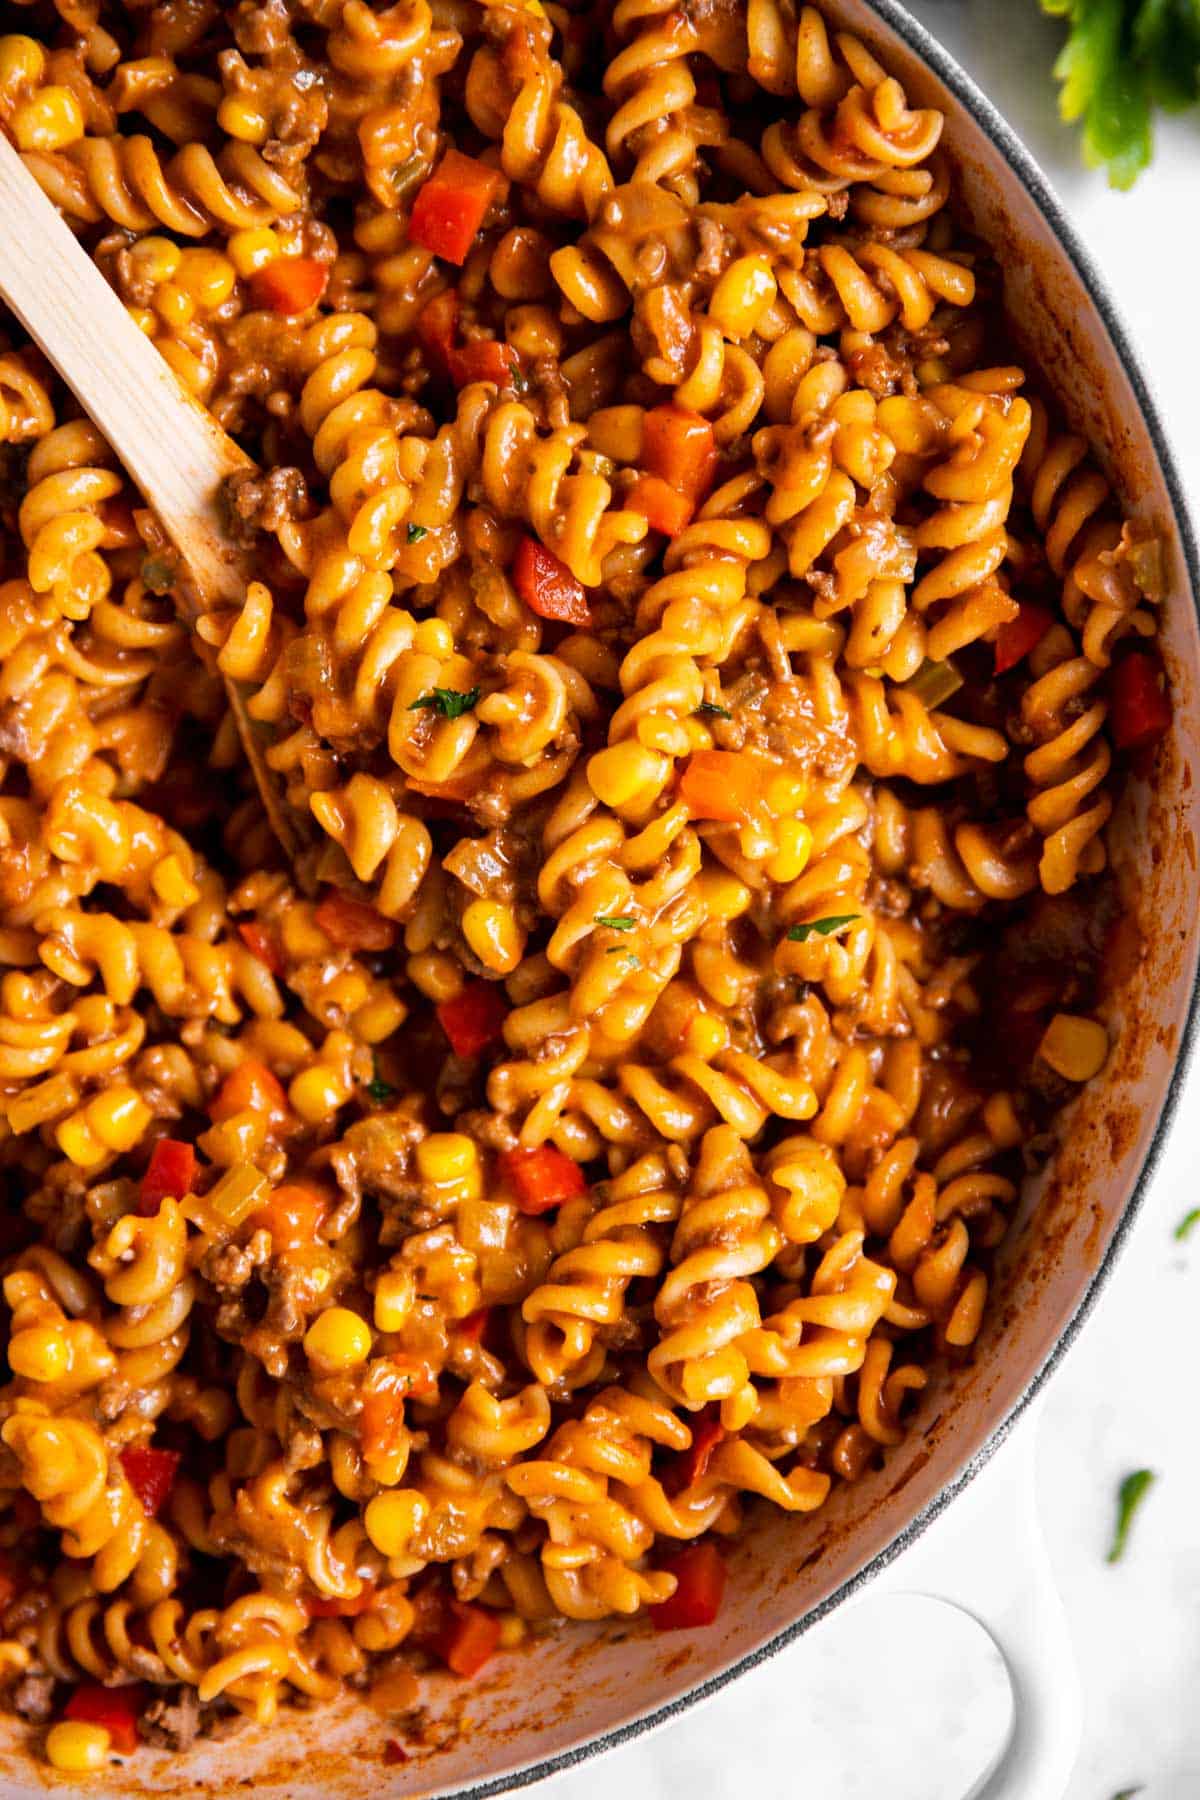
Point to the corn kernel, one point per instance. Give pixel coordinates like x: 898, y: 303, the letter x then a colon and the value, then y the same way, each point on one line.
x: 707, y: 1035
x: 627, y: 774
x: 171, y: 882
x: 173, y: 306
x: 252, y: 250
x: 79, y: 1143
x: 392, y: 1519
x: 239, y: 119
x: 156, y: 258
x: 337, y: 1339
x: 724, y: 896
x: 119, y: 1116
x: 795, y: 848
x: 395, y: 1291
x: 513, y: 1630
x: 207, y: 276
x: 436, y: 976
x: 382, y: 1014
x: 785, y: 793
x: 433, y: 637
x: 50, y: 121
x: 76, y: 1748
x: 1075, y: 1048
x: 22, y: 61
x: 144, y: 319
x: 316, y: 1093
x: 491, y: 930
x: 41, y: 1353
x: 447, y: 1156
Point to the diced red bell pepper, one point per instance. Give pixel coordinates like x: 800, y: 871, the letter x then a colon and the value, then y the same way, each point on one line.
x: 547, y: 586
x: 679, y: 448
x: 116, y: 1708
x: 151, y: 1474
x: 392, y: 1381
x: 464, y: 1637
x: 1139, y: 706
x: 290, y: 285
x: 171, y: 1172
x: 250, y: 1087
x: 437, y: 329
x: 1017, y: 637
x: 474, y: 1018
x: 721, y: 784
x: 700, y: 1582
x: 353, y: 924
x: 662, y: 506
x: 543, y: 1178
x: 320, y: 1606
x: 260, y: 943
x: 691, y: 1465
x: 451, y: 206
x: 292, y: 1214
x: 483, y: 359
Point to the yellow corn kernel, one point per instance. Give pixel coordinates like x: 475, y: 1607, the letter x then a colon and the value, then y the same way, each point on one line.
x: 433, y: 637
x: 119, y: 1116
x: 252, y: 250
x: 337, y: 1339
x: 41, y: 1353
x: 173, y: 306
x: 144, y: 319
x: 795, y: 848
x: 392, y: 1519
x: 238, y: 118
x: 22, y: 61
x: 435, y: 975
x: 78, y: 1143
x: 76, y: 1748
x: 513, y: 1630
x: 447, y: 1156
x: 395, y: 1291
x: 1075, y: 1048
x: 157, y: 258
x: 491, y: 930
x: 724, y: 896
x: 317, y: 1093
x: 617, y: 431
x: 707, y: 1035
x: 207, y: 276
x: 172, y: 883
x: 785, y: 793
x: 50, y: 121
x: 745, y: 291
x: 627, y: 774
x: 382, y: 1014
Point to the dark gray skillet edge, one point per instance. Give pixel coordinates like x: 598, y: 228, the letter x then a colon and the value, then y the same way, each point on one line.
x: 1034, y: 181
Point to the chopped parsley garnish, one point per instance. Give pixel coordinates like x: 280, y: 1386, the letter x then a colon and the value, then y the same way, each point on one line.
x: 158, y: 575
x: 450, y: 702
x: 416, y: 533
x: 615, y: 924
x: 518, y: 380
x: 379, y: 1091
x: 1130, y: 1495
x: 800, y: 934
x: 713, y: 710
x: 1184, y: 1227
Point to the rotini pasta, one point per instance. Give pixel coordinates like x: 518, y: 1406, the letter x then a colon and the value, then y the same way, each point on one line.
x: 707, y: 666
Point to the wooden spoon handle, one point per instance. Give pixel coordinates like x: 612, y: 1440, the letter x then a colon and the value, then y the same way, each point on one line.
x: 175, y: 452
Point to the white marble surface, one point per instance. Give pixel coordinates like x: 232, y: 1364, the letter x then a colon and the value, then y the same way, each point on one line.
x: 811, y: 1724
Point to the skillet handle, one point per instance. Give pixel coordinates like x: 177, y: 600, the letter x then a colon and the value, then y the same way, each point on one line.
x: 987, y: 1557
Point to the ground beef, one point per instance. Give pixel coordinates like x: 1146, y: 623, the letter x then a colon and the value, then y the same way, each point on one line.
x: 172, y: 1724
x: 33, y: 1697
x: 265, y: 502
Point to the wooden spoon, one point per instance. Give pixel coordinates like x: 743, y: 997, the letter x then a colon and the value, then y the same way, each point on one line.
x: 177, y: 455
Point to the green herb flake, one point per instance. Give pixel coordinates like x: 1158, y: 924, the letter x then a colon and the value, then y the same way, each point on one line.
x: 518, y: 380
x: 450, y: 702
x: 711, y: 710
x: 1128, y: 1793
x: 1130, y: 1494
x: 628, y: 960
x: 615, y: 924
x: 416, y: 533
x: 800, y: 934
x: 158, y: 575
x: 1184, y: 1227
x: 379, y: 1091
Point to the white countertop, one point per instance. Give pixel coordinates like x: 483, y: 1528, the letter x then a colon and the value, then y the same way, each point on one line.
x: 809, y: 1726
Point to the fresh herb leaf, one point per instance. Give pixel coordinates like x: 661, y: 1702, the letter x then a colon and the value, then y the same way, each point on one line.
x: 1129, y: 1793
x: 450, y: 702
x: 379, y: 1091
x: 1184, y: 1227
x: 1122, y: 58
x: 517, y: 379
x: 629, y: 962
x: 416, y: 533
x: 157, y: 575
x: 800, y: 934
x: 1130, y: 1495
x: 713, y: 710
x: 615, y: 924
